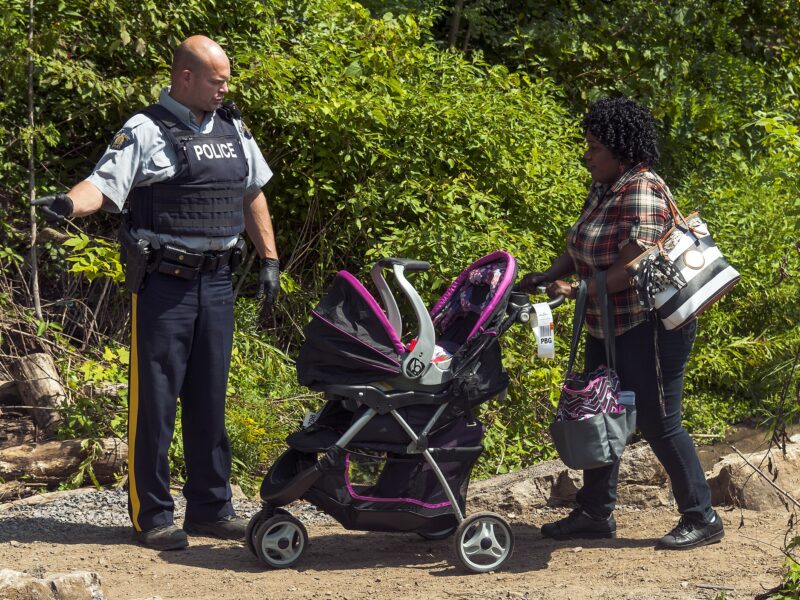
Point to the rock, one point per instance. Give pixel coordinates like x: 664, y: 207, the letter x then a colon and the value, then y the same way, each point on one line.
x: 732, y: 481
x: 73, y: 586
x: 19, y: 586
x: 641, y: 467
x: 77, y: 586
x: 642, y: 483
x: 517, y: 492
x: 643, y: 496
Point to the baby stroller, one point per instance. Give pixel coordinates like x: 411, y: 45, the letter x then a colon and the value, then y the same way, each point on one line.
x: 393, y: 446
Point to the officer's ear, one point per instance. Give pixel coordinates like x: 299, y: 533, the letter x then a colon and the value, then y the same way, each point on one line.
x: 185, y: 77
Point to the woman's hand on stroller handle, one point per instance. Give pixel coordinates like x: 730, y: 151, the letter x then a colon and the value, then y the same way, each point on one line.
x: 520, y: 295
x: 530, y: 282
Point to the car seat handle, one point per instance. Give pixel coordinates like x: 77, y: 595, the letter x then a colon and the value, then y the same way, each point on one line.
x: 418, y: 360
x: 392, y: 310
x: 409, y: 264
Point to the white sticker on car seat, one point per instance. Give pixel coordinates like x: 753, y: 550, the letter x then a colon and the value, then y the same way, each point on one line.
x: 543, y: 328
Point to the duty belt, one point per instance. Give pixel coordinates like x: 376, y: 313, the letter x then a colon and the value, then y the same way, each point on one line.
x: 188, y: 264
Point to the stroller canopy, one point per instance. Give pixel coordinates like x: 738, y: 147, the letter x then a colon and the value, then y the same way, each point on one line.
x: 351, y: 341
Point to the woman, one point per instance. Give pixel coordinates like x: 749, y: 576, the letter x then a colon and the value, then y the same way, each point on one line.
x: 625, y: 213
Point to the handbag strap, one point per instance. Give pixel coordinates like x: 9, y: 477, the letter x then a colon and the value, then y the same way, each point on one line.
x: 577, y: 323
x: 674, y: 211
x: 606, y: 319
x: 677, y: 215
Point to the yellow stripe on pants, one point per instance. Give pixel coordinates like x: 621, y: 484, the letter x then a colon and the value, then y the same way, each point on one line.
x: 133, y: 412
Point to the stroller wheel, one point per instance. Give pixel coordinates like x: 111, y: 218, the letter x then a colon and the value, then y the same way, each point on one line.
x: 484, y: 541
x: 256, y: 520
x: 280, y: 541
x: 437, y: 535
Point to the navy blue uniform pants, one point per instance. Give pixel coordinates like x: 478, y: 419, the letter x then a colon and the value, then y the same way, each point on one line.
x: 636, y: 367
x: 181, y: 340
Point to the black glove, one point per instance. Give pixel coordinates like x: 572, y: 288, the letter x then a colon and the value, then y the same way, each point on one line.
x: 269, y: 284
x: 54, y: 208
x: 529, y: 283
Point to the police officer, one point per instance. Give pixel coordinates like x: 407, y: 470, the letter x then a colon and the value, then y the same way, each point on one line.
x: 192, y: 175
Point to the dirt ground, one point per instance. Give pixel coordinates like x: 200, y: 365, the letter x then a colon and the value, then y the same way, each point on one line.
x: 349, y: 565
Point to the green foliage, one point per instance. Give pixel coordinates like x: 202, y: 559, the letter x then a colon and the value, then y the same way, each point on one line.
x: 790, y: 586
x: 94, y: 259
x: 265, y: 403
x: 385, y: 143
x: 703, y: 78
x: 102, y: 414
x: 746, y: 343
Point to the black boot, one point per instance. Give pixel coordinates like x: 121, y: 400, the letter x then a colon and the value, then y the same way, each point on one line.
x: 230, y: 527
x: 165, y: 537
x: 690, y: 533
x: 579, y: 525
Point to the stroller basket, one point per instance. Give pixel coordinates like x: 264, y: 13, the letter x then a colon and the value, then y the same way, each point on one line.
x: 381, y: 490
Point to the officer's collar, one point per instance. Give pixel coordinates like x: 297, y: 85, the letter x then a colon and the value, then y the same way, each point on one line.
x: 183, y: 113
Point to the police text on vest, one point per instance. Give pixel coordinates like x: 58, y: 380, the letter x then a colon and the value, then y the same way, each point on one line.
x: 214, y: 151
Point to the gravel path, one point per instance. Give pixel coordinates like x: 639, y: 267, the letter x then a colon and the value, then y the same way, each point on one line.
x: 52, y: 515
x: 76, y: 531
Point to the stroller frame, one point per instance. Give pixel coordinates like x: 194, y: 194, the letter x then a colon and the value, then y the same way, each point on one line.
x: 483, y: 541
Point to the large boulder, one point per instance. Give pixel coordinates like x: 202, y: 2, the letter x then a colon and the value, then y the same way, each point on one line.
x: 735, y: 482
x: 642, y: 483
x: 73, y: 586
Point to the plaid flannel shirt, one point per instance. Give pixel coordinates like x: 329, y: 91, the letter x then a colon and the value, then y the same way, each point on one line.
x: 633, y: 209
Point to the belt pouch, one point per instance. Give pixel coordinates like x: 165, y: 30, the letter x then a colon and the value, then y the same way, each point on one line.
x: 180, y: 262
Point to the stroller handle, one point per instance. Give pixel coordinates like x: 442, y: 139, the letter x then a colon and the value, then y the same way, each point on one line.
x: 520, y: 307
x: 408, y: 264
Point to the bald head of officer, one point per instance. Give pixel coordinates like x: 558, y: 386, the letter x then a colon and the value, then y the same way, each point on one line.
x: 200, y: 73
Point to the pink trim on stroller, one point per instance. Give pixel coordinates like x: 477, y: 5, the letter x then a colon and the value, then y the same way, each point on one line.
x: 376, y: 308
x: 353, y: 493
x: 507, y: 280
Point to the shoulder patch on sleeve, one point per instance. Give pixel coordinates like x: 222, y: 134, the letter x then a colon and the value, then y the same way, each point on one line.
x: 122, y: 139
x: 246, y: 131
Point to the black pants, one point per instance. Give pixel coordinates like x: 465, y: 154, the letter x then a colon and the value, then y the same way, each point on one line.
x: 181, y: 340
x: 635, y: 363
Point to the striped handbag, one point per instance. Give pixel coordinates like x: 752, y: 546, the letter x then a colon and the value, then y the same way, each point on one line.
x: 591, y: 427
x: 684, y: 273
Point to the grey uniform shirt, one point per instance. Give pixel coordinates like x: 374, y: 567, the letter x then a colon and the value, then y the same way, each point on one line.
x: 141, y: 154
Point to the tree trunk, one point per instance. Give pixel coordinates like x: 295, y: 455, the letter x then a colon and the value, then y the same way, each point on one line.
x: 40, y: 387
x: 455, y: 23
x: 53, y: 462
x: 37, y: 303
x: 467, y: 36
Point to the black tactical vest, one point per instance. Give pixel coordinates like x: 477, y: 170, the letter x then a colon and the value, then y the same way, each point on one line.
x: 205, y: 196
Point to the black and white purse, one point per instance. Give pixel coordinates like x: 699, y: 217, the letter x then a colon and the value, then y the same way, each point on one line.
x: 684, y: 273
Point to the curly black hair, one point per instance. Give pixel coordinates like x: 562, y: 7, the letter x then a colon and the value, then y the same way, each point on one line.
x: 624, y: 127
